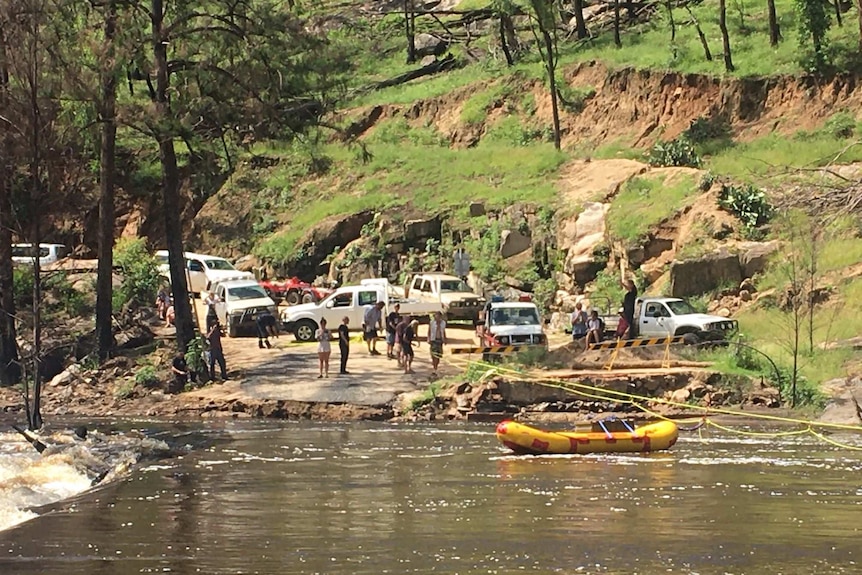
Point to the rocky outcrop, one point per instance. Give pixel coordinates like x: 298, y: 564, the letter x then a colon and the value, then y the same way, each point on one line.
x: 579, y: 240
x: 321, y: 241
x: 719, y: 268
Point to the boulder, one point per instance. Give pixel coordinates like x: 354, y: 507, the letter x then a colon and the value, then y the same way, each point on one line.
x: 428, y: 45
x: 754, y: 256
x: 247, y: 263
x: 843, y: 407
x: 417, y: 231
x: 329, y: 234
x: 697, y: 276
x: 513, y: 242
x: 66, y: 376
x: 477, y: 209
x: 578, y: 238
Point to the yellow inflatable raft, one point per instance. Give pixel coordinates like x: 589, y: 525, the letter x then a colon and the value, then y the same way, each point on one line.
x: 615, y: 436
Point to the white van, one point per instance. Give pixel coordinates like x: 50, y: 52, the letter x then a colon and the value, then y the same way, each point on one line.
x: 202, y: 270
x: 47, y: 253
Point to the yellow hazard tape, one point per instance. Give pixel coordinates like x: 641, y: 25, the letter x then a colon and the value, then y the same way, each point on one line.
x: 640, y: 342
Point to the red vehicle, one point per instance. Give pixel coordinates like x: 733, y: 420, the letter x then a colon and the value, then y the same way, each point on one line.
x: 293, y: 290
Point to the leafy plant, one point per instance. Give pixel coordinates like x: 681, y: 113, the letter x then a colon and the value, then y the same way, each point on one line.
x: 678, y: 152
x: 141, y: 277
x: 748, y: 203
x: 840, y: 125
x: 146, y: 376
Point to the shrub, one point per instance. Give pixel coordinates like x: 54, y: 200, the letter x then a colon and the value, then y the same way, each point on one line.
x: 146, y: 376
x: 706, y: 129
x: 840, y: 125
x: 141, y: 277
x: 678, y: 152
x: 748, y: 203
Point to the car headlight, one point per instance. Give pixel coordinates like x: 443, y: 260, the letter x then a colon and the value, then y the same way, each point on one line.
x: 503, y: 339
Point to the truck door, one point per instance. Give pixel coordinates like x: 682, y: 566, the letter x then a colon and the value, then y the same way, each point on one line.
x: 654, y: 319
x: 221, y: 306
x: 342, y: 305
x: 197, y: 276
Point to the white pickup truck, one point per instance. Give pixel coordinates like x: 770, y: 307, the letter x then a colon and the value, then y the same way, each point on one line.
x: 350, y: 301
x: 458, y: 300
x: 663, y: 316
x: 240, y: 303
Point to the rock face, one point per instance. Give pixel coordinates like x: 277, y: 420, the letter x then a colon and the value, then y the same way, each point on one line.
x: 843, y: 407
x: 513, y: 242
x: 333, y: 232
x: 579, y: 239
x: 697, y: 276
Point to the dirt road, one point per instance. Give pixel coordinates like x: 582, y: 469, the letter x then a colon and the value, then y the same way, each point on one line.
x: 289, y: 370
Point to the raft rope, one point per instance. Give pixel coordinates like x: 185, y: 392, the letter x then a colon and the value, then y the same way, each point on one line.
x: 602, y: 394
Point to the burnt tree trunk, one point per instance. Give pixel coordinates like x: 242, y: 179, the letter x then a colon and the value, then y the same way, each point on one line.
x: 107, y: 158
x: 10, y: 370
x: 725, y: 38
x: 580, y: 23
x: 34, y: 418
x: 617, y: 42
x: 410, y: 30
x: 774, y: 29
x: 551, y: 65
x: 170, y: 184
x: 504, y: 43
x: 706, y: 52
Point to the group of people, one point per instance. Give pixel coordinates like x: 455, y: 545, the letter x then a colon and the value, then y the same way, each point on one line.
x: 590, y: 327
x: 165, y: 307
x: 401, y: 337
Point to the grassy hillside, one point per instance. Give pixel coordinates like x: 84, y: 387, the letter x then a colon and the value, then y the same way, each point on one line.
x: 481, y: 133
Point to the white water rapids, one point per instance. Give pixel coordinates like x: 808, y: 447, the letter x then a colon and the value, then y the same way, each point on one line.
x: 68, y: 467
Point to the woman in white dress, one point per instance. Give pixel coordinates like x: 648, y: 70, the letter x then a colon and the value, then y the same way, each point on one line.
x: 324, y: 350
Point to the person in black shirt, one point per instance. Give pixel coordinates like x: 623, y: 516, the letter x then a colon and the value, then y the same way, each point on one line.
x: 629, y: 307
x: 344, y: 344
x: 266, y: 326
x: 181, y: 374
x: 216, y: 350
x: 391, y: 321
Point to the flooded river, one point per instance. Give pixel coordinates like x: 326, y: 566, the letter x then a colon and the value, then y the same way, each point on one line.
x: 381, y: 498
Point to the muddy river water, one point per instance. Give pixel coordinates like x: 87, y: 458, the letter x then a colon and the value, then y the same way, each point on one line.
x: 380, y: 498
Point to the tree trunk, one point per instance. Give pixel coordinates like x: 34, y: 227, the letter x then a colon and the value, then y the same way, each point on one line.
x: 410, y: 30
x: 504, y: 44
x: 859, y: 18
x: 10, y: 370
x: 580, y: 24
x: 706, y: 52
x: 551, y: 65
x: 170, y: 185
x: 837, y: 12
x: 35, y: 179
x: 617, y: 42
x: 774, y: 29
x: 725, y: 38
x: 107, y: 109
x: 671, y: 23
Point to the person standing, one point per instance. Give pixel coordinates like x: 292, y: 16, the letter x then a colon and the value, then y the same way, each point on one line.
x: 391, y: 321
x: 323, y: 337
x: 579, y: 322
x: 436, y: 339
x: 399, y: 336
x: 629, y: 307
x: 210, y: 301
x: 372, y: 321
x: 344, y: 344
x: 407, y: 339
x: 216, y: 350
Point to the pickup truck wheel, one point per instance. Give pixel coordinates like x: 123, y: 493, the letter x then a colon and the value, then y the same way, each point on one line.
x: 231, y: 328
x: 293, y: 297
x: 690, y: 339
x: 305, y: 330
x: 307, y: 298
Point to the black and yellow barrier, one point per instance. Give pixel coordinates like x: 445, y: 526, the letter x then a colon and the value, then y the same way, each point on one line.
x: 483, y: 350
x: 617, y: 344
x: 639, y: 342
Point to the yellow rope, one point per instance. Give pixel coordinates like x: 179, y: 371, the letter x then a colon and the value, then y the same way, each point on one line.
x: 758, y: 433
x: 598, y: 393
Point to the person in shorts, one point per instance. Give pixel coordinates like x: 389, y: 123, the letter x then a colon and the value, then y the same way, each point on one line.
x: 407, y: 339
x: 391, y: 321
x: 372, y: 321
x: 579, y: 322
x: 436, y: 339
x: 399, y: 335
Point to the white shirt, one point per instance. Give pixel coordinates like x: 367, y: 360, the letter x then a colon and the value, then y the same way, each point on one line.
x: 433, y: 328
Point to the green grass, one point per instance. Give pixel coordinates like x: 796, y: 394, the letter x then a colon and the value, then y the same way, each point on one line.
x: 475, y: 109
x: 644, y: 202
x: 431, y: 179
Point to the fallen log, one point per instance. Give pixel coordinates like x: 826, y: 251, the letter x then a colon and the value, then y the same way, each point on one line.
x: 447, y: 63
x: 34, y: 441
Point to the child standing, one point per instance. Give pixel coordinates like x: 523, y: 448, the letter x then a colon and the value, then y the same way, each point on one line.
x: 323, y: 336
